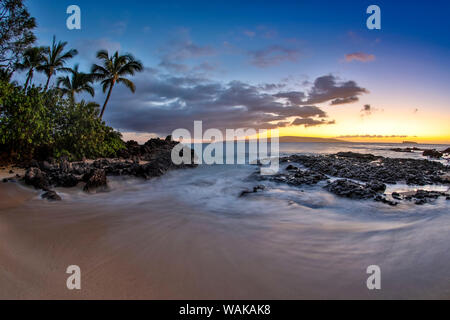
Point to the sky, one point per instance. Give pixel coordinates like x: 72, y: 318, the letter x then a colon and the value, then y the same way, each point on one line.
x: 308, y: 68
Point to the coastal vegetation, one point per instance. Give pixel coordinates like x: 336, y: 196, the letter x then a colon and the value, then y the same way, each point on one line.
x: 38, y: 120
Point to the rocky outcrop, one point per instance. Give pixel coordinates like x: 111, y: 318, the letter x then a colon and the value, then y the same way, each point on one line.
x: 423, y: 196
x: 95, y: 181
x: 367, y: 167
x: 407, y: 150
x: 433, y: 154
x: 152, y: 159
x: 254, y: 190
x: 363, y: 176
x: 353, y: 190
x: 51, y: 196
x: 299, y: 177
x: 36, y: 178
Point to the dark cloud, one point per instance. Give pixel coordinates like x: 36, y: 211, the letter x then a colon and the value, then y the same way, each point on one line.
x: 341, y: 101
x: 324, y: 89
x: 163, y: 103
x: 272, y: 86
x: 167, y: 64
x: 294, y: 97
x: 273, y: 55
x: 329, y: 87
x: 368, y: 110
x: 309, y: 122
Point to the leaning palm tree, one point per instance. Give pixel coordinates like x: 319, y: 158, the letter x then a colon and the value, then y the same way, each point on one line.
x: 55, y: 58
x: 113, y: 70
x: 77, y: 83
x: 32, y: 60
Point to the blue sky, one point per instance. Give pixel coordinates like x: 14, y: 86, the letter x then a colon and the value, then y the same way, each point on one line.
x: 290, y: 43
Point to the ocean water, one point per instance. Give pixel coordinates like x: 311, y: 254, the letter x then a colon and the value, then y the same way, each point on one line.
x: 194, y: 237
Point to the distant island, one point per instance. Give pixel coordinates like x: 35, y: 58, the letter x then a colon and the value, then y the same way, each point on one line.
x: 309, y: 139
x: 409, y: 142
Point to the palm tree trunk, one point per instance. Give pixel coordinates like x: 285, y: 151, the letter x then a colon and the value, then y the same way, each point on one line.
x: 48, y: 81
x: 28, y: 80
x: 107, y: 99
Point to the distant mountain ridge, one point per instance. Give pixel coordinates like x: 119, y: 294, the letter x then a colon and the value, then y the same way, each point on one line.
x: 291, y: 139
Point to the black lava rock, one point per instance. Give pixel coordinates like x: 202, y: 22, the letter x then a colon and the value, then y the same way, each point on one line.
x: 51, y: 196
x: 36, y: 178
x: 349, y: 189
x: 95, y: 181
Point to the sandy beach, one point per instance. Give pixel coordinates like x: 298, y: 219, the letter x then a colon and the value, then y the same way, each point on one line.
x: 188, y: 235
x: 122, y: 254
x: 7, y: 172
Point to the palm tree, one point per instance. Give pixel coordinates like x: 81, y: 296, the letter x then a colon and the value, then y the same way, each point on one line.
x: 113, y: 70
x: 55, y: 59
x: 79, y: 82
x: 32, y: 60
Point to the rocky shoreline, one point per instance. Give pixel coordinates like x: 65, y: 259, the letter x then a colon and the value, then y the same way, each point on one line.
x: 153, y: 159
x: 432, y: 153
x: 345, y: 174
x: 364, y: 176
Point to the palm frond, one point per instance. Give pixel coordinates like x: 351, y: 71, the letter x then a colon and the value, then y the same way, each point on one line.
x: 128, y: 83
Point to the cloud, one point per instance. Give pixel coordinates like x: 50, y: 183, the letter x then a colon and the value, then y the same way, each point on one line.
x: 341, y: 101
x: 173, y: 66
x: 178, y: 51
x: 119, y: 28
x: 272, y: 86
x: 368, y: 136
x: 205, y: 67
x: 249, y: 33
x: 273, y: 55
x: 329, y: 87
x: 309, y: 122
x: 163, y: 103
x: 325, y: 89
x: 359, y: 56
x: 294, y: 97
x: 368, y: 110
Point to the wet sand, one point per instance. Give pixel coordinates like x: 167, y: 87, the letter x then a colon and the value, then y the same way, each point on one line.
x: 130, y: 254
x: 5, y: 172
x: 161, y: 248
x: 122, y: 254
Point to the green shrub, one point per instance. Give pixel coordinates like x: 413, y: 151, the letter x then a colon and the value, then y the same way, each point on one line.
x: 81, y: 134
x: 34, y: 124
x: 24, y: 121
